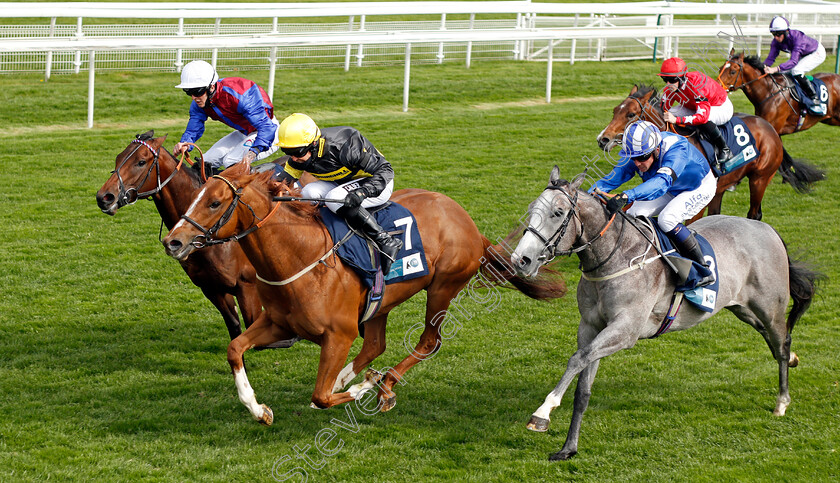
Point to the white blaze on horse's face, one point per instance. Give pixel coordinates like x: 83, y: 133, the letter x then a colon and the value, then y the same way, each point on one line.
x: 532, y: 250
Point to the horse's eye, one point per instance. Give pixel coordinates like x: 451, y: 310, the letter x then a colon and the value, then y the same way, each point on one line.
x: 141, y: 163
x: 557, y: 213
x: 215, y: 204
x: 631, y: 115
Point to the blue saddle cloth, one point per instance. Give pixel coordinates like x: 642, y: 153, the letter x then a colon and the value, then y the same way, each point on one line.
x: 741, y: 142
x: 393, y: 217
x: 703, y: 298
x: 806, y: 101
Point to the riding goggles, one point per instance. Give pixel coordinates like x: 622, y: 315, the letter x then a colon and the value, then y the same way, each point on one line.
x: 195, y: 91
x: 297, y: 152
x: 642, y: 158
x: 670, y: 79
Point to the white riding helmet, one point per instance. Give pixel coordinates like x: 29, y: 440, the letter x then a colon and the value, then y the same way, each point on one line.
x: 197, y: 73
x: 640, y: 138
x: 779, y: 24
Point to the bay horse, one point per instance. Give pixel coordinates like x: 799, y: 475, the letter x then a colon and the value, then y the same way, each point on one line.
x: 618, y: 306
x: 771, y: 95
x: 311, y: 293
x: 145, y: 169
x: 644, y: 103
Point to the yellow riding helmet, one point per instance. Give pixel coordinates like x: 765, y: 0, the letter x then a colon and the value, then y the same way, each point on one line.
x: 298, y: 130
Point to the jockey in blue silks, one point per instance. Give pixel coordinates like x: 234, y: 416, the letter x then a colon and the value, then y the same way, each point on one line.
x: 677, y: 184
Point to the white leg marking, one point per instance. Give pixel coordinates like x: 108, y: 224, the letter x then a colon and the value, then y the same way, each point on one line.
x: 246, y: 394
x: 550, y: 403
x: 360, y: 389
x: 346, y: 375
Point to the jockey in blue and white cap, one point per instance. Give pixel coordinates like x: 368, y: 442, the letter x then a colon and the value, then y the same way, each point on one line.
x: 676, y: 183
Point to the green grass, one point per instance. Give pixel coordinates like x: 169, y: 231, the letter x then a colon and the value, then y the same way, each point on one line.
x: 113, y: 364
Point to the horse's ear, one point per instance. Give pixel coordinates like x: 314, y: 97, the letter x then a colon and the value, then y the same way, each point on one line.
x: 579, y: 179
x: 238, y: 169
x: 634, y: 90
x: 731, y: 51
x: 157, y: 142
x: 146, y: 135
x: 554, y: 179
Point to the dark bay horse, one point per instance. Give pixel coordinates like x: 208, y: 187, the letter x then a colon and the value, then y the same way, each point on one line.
x: 771, y: 94
x: 644, y: 103
x: 618, y: 306
x: 322, y: 302
x: 145, y: 169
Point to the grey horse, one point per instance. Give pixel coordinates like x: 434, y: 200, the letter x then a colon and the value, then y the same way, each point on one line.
x: 619, y: 305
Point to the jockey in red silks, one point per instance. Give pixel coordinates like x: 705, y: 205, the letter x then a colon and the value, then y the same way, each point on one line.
x: 237, y: 102
x: 693, y: 98
x: 806, y: 54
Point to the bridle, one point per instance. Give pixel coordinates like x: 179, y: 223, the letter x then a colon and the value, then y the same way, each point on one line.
x: 206, y: 238
x: 124, y: 197
x: 736, y: 86
x: 549, y: 250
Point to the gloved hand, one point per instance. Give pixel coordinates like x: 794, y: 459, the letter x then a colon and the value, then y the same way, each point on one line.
x: 616, y: 203
x: 355, y: 198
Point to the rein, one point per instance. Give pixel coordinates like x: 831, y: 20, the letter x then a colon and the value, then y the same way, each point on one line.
x: 206, y: 238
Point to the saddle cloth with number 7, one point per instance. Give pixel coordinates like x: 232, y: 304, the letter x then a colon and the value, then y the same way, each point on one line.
x: 396, y: 220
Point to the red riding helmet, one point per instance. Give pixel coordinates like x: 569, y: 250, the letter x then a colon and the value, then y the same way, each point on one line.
x: 673, y: 67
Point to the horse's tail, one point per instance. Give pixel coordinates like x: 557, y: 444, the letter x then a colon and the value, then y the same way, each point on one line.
x: 496, y: 267
x: 803, y: 286
x: 799, y: 174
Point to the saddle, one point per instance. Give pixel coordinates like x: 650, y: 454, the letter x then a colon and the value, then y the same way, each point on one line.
x: 363, y: 257
x: 741, y: 142
x: 807, y: 104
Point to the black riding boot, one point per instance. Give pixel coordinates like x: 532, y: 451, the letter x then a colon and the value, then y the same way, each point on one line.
x: 722, y: 152
x: 691, y: 249
x: 361, y: 220
x: 807, y: 88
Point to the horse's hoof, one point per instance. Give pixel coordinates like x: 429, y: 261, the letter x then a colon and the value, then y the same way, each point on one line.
x: 562, y: 455
x: 268, y: 416
x: 388, y: 404
x: 373, y: 376
x: 538, y: 424
x: 794, y: 360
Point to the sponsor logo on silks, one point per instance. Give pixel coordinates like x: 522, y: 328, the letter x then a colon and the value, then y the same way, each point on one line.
x: 248, y: 143
x: 406, y: 266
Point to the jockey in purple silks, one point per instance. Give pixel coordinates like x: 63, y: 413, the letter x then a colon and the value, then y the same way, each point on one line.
x: 806, y: 53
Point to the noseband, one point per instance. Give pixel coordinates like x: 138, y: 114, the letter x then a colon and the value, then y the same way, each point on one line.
x: 124, y: 196
x: 206, y: 238
x: 549, y: 251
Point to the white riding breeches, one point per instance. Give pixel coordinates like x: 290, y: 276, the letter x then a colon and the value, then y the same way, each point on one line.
x: 231, y: 149
x: 330, y: 190
x: 717, y: 114
x: 809, y: 62
x: 672, y: 210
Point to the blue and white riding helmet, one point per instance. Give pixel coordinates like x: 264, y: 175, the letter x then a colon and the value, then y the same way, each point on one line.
x: 640, y: 138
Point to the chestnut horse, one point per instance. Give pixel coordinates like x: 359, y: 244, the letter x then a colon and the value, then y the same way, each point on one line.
x: 771, y: 94
x: 145, y: 169
x: 311, y: 293
x: 644, y: 103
